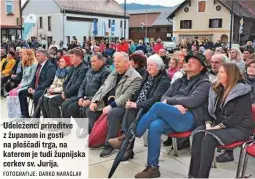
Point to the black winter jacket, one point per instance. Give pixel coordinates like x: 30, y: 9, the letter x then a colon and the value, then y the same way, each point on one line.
x: 192, y: 94
x: 73, y: 81
x: 235, y: 115
x: 251, y: 81
x: 92, y: 82
x: 160, y: 84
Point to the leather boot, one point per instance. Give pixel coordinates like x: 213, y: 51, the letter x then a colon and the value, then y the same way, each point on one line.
x: 149, y: 172
x: 116, y: 142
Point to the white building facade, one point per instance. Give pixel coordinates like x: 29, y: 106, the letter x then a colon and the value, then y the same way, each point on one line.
x: 54, y: 23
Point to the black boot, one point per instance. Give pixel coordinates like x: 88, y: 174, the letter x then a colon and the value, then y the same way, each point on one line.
x: 226, y: 156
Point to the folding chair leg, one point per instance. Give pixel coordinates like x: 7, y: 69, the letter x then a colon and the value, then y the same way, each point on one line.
x: 244, y: 165
x: 240, y: 162
x: 174, y: 141
x: 190, y: 144
x: 214, y: 164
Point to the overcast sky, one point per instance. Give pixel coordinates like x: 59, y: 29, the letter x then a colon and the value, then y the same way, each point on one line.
x: 154, y: 2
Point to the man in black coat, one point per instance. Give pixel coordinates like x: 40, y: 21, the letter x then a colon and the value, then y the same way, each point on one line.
x: 44, y: 76
x: 70, y: 87
x: 93, y: 80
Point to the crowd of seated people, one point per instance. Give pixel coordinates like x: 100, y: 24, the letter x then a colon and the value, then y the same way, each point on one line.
x: 188, y: 91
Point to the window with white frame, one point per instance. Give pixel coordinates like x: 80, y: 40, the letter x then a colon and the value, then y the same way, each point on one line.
x: 201, y: 6
x: 9, y: 6
x: 186, y: 24
x: 215, y: 23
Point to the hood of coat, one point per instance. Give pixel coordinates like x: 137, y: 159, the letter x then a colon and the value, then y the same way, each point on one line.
x: 239, y: 89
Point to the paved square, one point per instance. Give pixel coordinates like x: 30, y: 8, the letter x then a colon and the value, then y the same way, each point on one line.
x: 170, y: 166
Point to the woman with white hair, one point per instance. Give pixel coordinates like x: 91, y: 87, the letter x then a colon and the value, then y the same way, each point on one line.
x: 235, y: 55
x: 154, y: 84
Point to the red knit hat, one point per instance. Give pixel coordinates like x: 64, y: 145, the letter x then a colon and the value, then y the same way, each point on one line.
x: 67, y: 60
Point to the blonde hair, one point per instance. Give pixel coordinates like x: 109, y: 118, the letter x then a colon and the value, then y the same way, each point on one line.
x: 176, y: 54
x: 239, y: 53
x: 28, y: 58
x: 176, y: 60
x: 233, y: 75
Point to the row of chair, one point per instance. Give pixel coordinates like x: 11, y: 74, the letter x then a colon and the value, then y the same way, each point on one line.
x: 247, y: 149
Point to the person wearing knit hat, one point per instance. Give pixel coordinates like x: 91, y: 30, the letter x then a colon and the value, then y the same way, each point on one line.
x: 57, y: 85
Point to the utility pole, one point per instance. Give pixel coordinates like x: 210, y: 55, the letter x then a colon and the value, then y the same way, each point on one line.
x: 146, y: 30
x: 21, y: 20
x: 231, y: 26
x: 125, y: 12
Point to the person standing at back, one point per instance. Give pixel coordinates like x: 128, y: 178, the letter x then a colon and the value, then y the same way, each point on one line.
x: 158, y: 46
x: 123, y: 46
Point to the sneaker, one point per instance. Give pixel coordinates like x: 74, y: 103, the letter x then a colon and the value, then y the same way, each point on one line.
x: 168, y: 142
x: 107, y: 152
x: 116, y: 142
x: 225, y: 157
x: 149, y: 172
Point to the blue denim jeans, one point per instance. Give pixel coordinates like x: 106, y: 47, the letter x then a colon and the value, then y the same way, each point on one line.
x: 162, y: 119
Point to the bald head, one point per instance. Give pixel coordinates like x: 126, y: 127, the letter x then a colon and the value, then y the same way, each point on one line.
x: 216, y: 61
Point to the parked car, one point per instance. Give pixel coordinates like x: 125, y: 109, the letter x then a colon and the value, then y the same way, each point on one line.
x: 169, y: 46
x: 234, y: 46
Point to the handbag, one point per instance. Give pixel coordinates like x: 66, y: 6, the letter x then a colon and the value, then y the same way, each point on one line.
x: 98, y: 134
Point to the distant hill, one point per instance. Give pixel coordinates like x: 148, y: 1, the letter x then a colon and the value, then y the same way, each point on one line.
x: 134, y: 6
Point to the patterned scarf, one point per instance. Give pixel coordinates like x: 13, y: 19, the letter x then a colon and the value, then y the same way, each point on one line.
x: 145, y: 90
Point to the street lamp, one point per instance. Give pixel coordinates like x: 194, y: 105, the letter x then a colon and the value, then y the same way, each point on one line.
x: 231, y: 26
x: 125, y: 11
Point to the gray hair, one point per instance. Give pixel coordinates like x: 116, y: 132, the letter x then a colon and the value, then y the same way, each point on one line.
x: 210, y: 51
x: 158, y: 60
x: 123, y: 54
x: 159, y: 40
x: 220, y: 56
x: 139, y: 52
x: 99, y: 56
x: 18, y: 49
x: 44, y: 52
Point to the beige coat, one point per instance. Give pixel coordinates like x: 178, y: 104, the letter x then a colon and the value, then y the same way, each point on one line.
x: 129, y: 84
